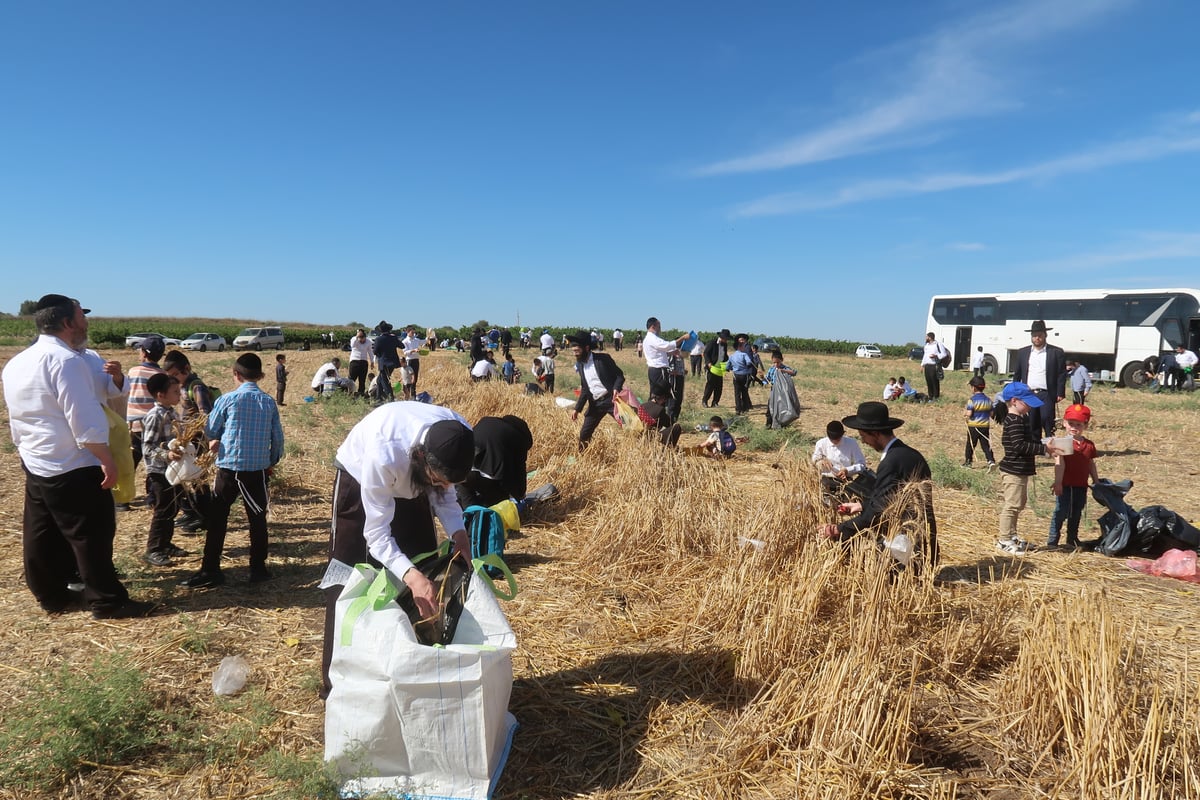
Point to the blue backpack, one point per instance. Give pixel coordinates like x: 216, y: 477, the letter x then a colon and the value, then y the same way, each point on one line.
x: 728, y: 445
x: 485, y: 529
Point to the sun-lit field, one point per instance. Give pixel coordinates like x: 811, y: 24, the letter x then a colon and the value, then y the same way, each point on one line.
x: 658, y: 656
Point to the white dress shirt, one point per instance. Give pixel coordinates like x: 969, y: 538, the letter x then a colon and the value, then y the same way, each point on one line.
x: 933, y: 353
x: 53, y: 410
x: 377, y: 454
x: 484, y: 369
x: 592, y: 377
x: 1035, y: 376
x: 846, y: 454
x: 1186, y: 359
x: 977, y: 360
x: 547, y: 341
x: 361, y: 351
x: 319, y: 376
x: 412, y: 347
x: 658, y: 351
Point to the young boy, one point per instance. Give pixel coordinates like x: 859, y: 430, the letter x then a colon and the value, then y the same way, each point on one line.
x: 782, y: 385
x: 1071, y: 473
x: 720, y: 443
x: 329, y: 384
x: 979, y: 423
x: 1021, y: 444
x: 408, y: 380
x: 246, y: 436
x: 511, y: 373
x: 281, y: 374
x: 158, y: 428
x: 891, y: 390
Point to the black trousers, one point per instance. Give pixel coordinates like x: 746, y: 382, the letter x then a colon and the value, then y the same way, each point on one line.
x: 280, y: 387
x: 933, y: 384
x: 69, y: 525
x: 675, y: 404
x: 981, y: 437
x: 714, y: 385
x: 166, y: 505
x: 741, y: 393
x: 358, y: 374
x: 412, y: 529
x: 1077, y: 398
x: 415, y: 363
x: 660, y: 380
x: 592, y: 417
x: 1043, y: 418
x: 227, y: 488
x: 384, y: 382
x: 696, y: 365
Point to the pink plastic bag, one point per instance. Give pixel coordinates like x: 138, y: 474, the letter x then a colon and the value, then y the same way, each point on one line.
x: 1179, y: 564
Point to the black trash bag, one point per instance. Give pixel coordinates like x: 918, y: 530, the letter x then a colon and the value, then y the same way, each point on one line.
x: 1167, y: 529
x: 451, y: 576
x: 1119, y: 524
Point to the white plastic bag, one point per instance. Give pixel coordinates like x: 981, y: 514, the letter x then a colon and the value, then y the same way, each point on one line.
x: 407, y: 718
x: 230, y: 675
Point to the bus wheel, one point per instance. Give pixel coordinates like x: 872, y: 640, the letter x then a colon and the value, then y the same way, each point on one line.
x: 1133, y: 375
x: 990, y: 367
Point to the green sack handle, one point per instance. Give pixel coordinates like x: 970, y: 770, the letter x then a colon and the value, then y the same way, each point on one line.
x: 381, y: 592
x: 494, y: 560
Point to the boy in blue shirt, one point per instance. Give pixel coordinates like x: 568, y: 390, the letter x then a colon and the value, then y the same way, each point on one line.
x: 246, y: 436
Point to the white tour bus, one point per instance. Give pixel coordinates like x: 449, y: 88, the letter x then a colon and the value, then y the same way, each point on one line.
x: 1110, y: 331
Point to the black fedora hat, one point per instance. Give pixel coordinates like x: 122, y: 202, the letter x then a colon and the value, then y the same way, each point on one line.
x: 872, y: 416
x: 580, y: 337
x: 1038, y: 326
x: 724, y: 334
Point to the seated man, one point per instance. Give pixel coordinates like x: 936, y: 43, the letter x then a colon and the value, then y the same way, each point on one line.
x: 839, y: 458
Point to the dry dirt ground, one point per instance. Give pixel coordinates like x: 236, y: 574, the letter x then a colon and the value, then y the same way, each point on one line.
x: 568, y: 617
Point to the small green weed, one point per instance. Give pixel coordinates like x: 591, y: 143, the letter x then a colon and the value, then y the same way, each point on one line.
x: 197, y: 637
x: 106, y: 714
x: 305, y: 776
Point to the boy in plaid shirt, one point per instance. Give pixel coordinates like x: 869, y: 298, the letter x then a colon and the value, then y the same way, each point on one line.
x: 158, y: 428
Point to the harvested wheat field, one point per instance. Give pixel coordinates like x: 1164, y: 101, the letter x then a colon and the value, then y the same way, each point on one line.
x: 659, y: 655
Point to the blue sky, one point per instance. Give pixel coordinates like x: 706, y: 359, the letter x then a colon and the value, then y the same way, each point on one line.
x: 782, y: 168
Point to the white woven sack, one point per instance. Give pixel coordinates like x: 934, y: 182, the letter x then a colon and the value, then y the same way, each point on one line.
x: 415, y: 720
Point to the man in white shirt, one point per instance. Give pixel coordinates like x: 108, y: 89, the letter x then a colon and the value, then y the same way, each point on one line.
x: 395, y: 472
x: 600, y: 379
x: 361, y: 356
x: 931, y: 363
x: 839, y: 458
x: 1185, y: 368
x: 61, y: 433
x: 547, y: 342
x: 1043, y: 368
x: 660, y: 354
x: 618, y: 339
x: 318, y: 379
x: 977, y: 362
x: 543, y: 370
x: 485, y: 369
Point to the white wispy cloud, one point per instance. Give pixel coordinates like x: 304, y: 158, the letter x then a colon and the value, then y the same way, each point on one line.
x: 956, y: 73
x: 1145, y: 247
x: 966, y: 247
x: 1148, y: 148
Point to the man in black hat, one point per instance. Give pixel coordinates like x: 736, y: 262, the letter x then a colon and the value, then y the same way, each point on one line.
x: 395, y: 471
x: 899, y: 466
x: 716, y: 352
x: 599, y: 381
x: 502, y: 446
x: 61, y: 433
x: 1043, y: 368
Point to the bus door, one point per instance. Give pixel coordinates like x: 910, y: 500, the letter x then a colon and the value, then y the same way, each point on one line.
x: 962, y: 347
x: 1193, y: 334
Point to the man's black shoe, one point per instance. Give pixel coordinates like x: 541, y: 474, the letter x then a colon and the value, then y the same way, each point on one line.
x: 126, y: 610
x: 175, y: 552
x: 260, y: 575
x: 203, y: 580
x: 157, y: 558
x: 73, y: 601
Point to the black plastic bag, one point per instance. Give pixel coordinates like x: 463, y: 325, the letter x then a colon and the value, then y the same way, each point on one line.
x: 451, y: 576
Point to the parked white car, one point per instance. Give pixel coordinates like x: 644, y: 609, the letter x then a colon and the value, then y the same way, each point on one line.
x: 868, y: 351
x: 134, y: 340
x: 203, y: 342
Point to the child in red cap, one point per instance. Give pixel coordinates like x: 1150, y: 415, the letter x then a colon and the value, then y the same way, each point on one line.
x: 1071, y: 473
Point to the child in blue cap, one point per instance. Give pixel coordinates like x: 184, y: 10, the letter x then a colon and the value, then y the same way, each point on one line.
x: 1021, y: 444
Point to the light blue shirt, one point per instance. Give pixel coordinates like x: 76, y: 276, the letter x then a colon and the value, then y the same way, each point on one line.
x: 246, y: 422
